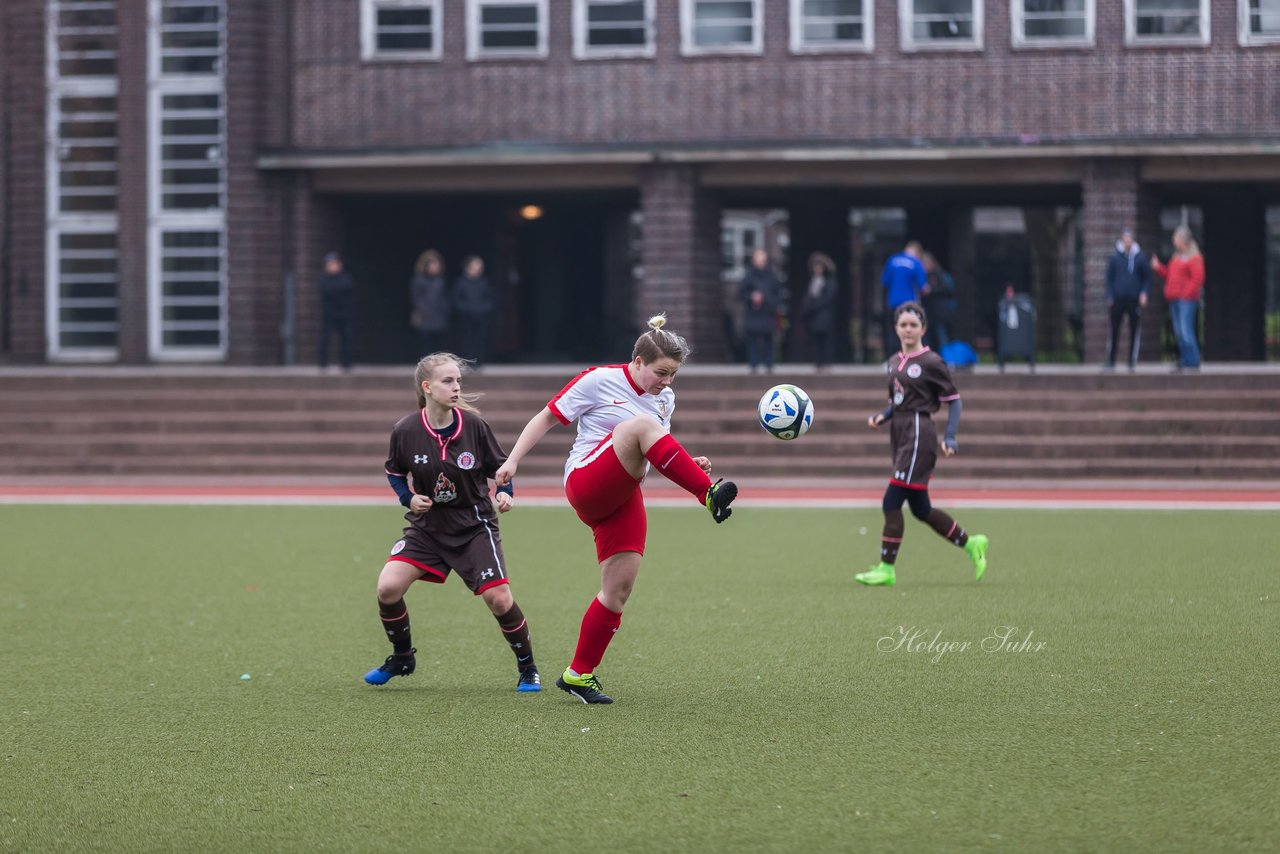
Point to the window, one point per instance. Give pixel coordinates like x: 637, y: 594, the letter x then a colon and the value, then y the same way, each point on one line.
x: 191, y: 141
x: 1166, y: 22
x: 825, y: 25
x: 190, y: 289
x: 506, y: 29
x: 186, y: 180
x: 1259, y: 22
x: 84, y: 37
x: 82, y: 174
x: 1053, y: 23
x: 190, y: 37
x: 721, y: 26
x: 87, y: 283
x: 400, y: 29
x: 86, y: 151
x: 941, y: 24
x: 611, y: 28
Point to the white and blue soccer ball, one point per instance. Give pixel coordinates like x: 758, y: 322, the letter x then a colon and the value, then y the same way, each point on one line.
x: 786, y: 411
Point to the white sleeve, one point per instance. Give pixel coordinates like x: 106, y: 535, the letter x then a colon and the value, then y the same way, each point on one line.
x: 580, y: 394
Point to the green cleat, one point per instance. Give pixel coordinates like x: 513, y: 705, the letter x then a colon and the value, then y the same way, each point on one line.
x: 880, y: 575
x: 977, y: 549
x: 586, y: 688
x: 719, y: 497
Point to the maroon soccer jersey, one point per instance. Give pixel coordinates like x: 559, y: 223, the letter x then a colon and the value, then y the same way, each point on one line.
x: 918, y: 385
x: 453, y: 471
x: 920, y: 382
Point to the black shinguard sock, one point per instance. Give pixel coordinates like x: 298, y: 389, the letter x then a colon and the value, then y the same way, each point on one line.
x: 947, y: 528
x: 395, y: 620
x: 891, y: 539
x: 515, y: 630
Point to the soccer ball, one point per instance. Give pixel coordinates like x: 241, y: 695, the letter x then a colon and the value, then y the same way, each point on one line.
x: 786, y: 412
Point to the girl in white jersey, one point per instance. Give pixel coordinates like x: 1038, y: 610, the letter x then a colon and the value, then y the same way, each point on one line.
x: 624, y: 420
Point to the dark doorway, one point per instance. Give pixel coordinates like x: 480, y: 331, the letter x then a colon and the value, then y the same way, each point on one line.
x: 559, y: 264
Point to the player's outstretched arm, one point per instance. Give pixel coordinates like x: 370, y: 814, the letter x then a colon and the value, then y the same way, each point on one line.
x: 533, y: 431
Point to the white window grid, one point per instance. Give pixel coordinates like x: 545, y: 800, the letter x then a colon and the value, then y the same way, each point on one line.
x: 693, y: 26
x: 1266, y: 15
x: 1021, y: 17
x: 962, y: 12
x: 191, y: 37
x: 83, y: 38
x: 805, y: 14
x: 741, y: 233
x: 372, y: 29
x: 81, y: 174
x: 1165, y: 10
x: 478, y: 29
x: 186, y: 185
x: 585, y: 24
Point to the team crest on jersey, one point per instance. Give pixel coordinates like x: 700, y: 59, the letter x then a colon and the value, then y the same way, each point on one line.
x: 466, y: 460
x: 398, y: 547
x: 662, y: 407
x: 899, y: 393
x: 913, y: 371
x: 445, y: 490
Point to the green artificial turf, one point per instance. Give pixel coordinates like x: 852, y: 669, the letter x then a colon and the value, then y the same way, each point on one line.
x: 763, y: 699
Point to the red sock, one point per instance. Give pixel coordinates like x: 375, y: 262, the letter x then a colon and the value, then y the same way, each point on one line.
x: 598, y: 627
x: 674, y: 463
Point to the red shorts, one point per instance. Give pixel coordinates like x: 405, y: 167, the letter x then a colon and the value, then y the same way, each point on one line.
x: 608, y: 498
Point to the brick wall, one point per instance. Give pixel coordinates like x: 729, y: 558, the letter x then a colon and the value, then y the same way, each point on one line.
x: 25, y: 107
x: 1104, y: 92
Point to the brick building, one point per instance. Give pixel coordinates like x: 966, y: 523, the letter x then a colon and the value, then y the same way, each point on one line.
x: 171, y: 171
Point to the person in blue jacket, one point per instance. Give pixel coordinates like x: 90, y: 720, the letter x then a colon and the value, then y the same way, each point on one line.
x: 903, y: 278
x: 1128, y: 279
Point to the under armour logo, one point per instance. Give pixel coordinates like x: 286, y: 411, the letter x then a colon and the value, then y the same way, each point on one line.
x: 488, y: 573
x: 419, y: 459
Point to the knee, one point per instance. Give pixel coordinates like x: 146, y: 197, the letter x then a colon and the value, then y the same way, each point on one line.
x: 498, y: 599
x: 921, y: 509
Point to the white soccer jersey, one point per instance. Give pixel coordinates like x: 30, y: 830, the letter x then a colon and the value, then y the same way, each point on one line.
x: 598, y: 399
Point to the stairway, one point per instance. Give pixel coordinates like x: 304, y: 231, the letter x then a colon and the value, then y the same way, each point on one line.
x: 294, y: 423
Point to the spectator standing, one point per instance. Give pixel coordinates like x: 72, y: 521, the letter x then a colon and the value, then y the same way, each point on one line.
x: 903, y: 279
x: 939, y: 301
x: 1128, y: 278
x: 759, y: 293
x: 1183, y: 284
x: 336, y: 290
x: 473, y: 305
x: 429, y: 302
x: 819, y: 307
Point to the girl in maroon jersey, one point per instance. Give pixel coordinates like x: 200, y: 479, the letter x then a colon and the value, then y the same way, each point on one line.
x: 450, y: 453
x: 919, y: 383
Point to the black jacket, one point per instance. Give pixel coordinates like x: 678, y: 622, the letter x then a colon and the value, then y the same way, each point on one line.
x: 1127, y: 276
x: 762, y: 318
x: 473, y: 297
x: 335, y: 292
x: 820, y: 309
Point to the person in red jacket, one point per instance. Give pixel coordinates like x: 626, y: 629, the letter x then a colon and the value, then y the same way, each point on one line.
x: 1183, y: 281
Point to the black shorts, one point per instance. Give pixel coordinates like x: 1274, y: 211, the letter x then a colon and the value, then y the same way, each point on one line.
x: 915, y: 449
x: 478, y: 561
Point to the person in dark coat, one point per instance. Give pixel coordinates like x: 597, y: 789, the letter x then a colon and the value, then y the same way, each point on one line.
x: 759, y: 292
x: 1128, y: 280
x: 473, y: 305
x: 429, y: 301
x: 819, y: 308
x: 336, y: 289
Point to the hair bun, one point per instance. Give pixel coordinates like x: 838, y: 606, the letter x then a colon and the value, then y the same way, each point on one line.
x: 658, y: 321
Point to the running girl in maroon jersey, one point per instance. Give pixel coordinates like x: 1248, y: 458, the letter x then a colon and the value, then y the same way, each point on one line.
x: 919, y: 383
x: 450, y: 454
x: 624, y: 418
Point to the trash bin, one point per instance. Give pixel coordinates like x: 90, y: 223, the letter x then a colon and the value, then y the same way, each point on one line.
x: 1016, y: 330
